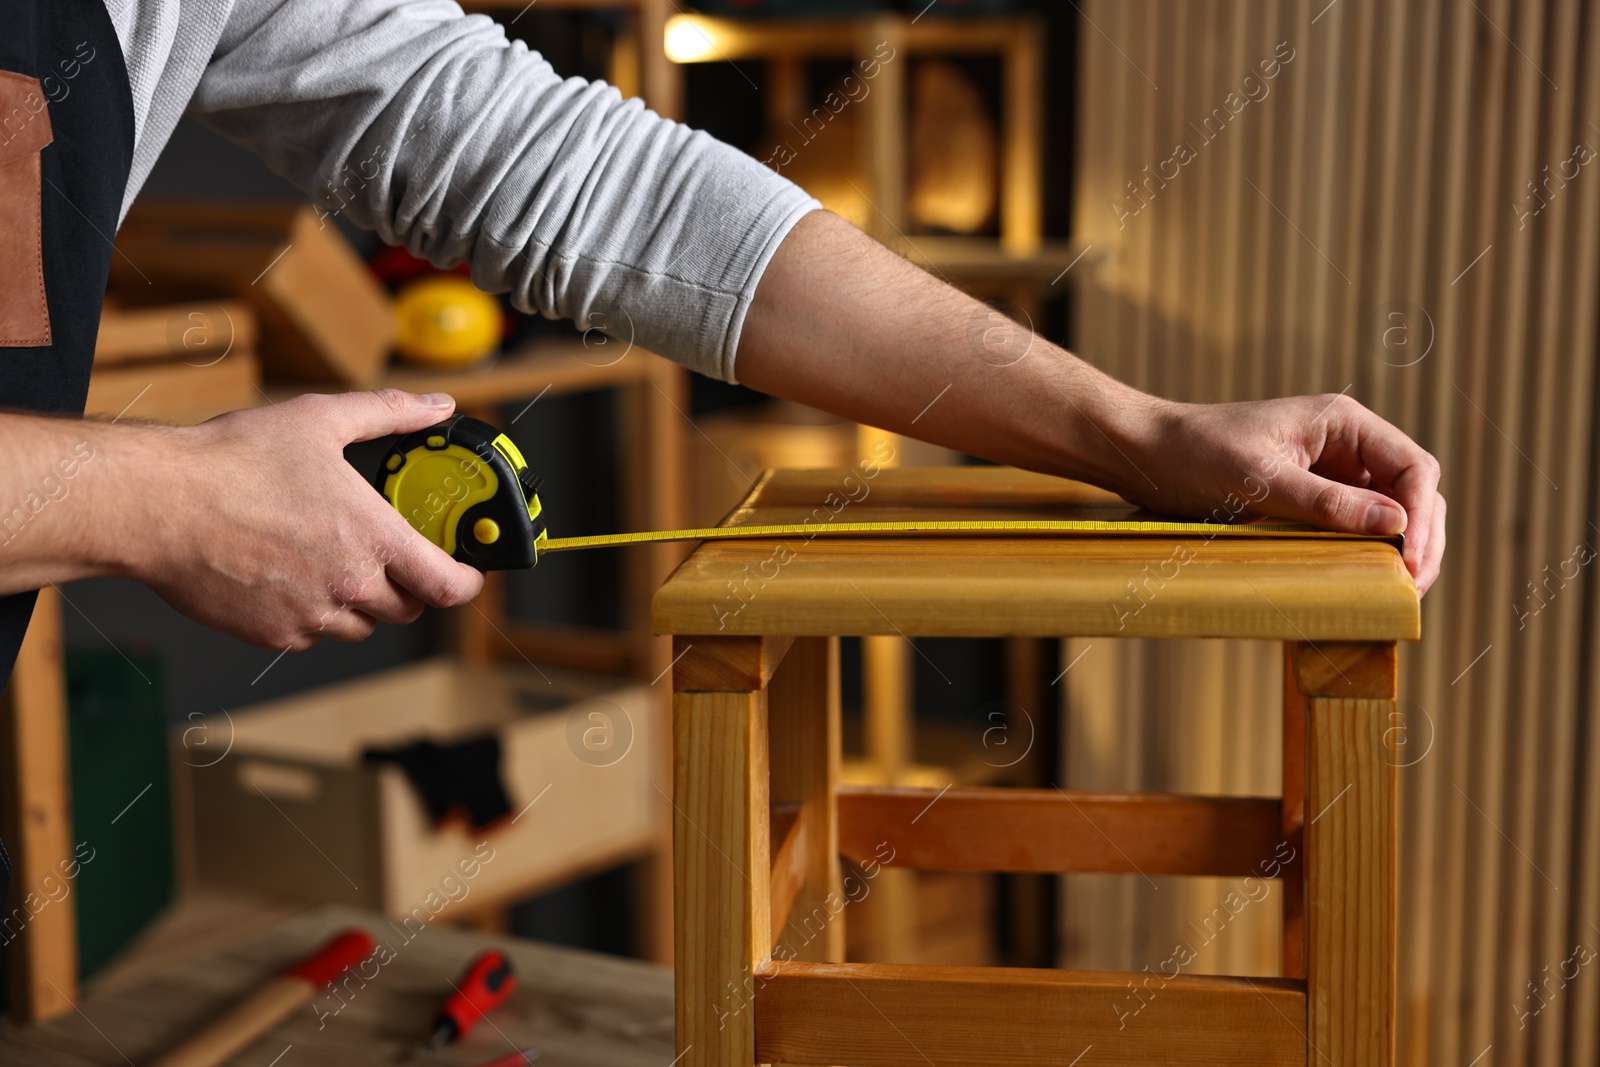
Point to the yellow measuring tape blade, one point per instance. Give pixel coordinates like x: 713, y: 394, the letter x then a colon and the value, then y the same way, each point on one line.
x: 997, y: 527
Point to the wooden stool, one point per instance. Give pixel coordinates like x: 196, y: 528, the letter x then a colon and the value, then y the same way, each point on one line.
x: 761, y: 820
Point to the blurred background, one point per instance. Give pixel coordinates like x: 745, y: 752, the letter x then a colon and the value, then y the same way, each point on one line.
x: 1212, y: 200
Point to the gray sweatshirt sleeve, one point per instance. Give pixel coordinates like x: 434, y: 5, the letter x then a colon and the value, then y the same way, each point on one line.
x: 430, y: 127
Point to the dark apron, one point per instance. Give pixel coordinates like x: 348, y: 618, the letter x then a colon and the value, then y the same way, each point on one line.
x: 58, y: 213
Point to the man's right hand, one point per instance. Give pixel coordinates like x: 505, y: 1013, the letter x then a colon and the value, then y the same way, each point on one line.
x: 262, y: 530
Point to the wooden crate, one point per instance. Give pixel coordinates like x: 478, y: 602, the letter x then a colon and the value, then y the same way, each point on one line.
x: 199, y: 333
x: 180, y: 363
x: 173, y: 391
x: 324, y: 318
x: 291, y: 809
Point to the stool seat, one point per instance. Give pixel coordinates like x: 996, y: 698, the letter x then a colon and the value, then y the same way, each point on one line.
x: 1289, y: 589
x: 761, y: 819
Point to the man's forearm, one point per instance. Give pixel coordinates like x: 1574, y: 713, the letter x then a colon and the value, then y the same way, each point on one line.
x: 69, y: 497
x: 843, y: 324
x: 251, y: 523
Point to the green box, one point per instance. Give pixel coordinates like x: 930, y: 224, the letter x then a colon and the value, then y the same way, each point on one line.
x: 121, y: 799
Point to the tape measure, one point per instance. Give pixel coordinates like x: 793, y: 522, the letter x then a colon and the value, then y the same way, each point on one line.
x: 465, y: 486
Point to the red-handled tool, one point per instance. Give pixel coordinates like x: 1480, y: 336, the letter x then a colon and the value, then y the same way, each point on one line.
x: 273, y: 1002
x: 485, y: 985
x: 333, y: 958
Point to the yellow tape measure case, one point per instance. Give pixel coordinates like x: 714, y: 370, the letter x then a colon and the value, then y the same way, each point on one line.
x: 464, y: 486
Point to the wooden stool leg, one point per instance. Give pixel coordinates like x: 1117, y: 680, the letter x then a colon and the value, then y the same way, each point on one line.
x: 1292, y: 877
x: 803, y: 710
x: 1350, y: 839
x: 721, y: 848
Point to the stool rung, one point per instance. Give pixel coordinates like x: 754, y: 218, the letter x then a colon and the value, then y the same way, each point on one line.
x: 978, y: 828
x: 889, y: 1015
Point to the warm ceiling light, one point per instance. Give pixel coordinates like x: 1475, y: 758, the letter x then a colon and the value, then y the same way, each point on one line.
x: 689, y: 39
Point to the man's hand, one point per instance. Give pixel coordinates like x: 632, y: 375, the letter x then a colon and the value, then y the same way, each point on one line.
x: 265, y: 532
x: 1325, y: 460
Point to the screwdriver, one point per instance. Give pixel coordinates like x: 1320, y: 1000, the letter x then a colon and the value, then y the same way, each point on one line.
x: 484, y: 986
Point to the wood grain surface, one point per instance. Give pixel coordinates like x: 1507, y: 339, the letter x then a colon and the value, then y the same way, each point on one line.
x: 804, y: 752
x: 721, y: 852
x: 902, y: 1016
x: 1351, y: 889
x: 1288, y: 589
x: 577, y: 1008
x: 1006, y: 828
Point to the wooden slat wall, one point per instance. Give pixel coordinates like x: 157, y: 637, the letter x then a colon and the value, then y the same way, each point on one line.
x: 1150, y: 715
x: 1396, y: 147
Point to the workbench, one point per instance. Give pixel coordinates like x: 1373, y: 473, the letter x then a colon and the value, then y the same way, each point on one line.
x: 579, y: 1009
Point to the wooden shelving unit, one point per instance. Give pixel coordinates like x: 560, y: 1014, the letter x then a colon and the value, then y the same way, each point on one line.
x: 637, y: 70
x: 1018, y: 42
